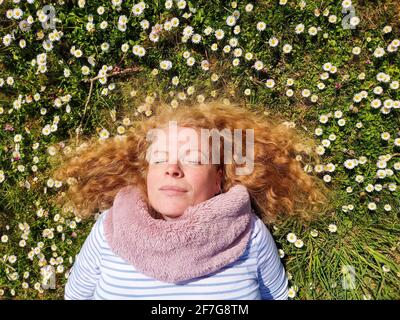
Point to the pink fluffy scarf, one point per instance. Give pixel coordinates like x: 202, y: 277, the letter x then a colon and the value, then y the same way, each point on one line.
x: 207, y: 237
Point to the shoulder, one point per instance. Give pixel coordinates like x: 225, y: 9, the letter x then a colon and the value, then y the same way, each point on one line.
x: 261, y: 235
x: 97, y: 231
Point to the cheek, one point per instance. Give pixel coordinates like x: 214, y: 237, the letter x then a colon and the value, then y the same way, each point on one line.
x: 201, y: 179
x: 153, y: 175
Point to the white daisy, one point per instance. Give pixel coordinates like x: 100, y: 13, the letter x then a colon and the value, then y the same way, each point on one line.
x: 291, y: 237
x: 332, y: 228
x: 372, y: 206
x: 261, y: 26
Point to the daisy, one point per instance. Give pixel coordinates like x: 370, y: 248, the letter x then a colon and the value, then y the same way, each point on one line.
x: 188, y: 31
x: 47, y: 45
x: 387, y: 207
x: 291, y: 237
x: 354, y: 21
x: 332, y: 19
x: 207, y: 31
x: 145, y: 24
x: 327, y: 66
x: 270, y: 83
x: 154, y: 37
x: 372, y: 206
x: 379, y: 52
x: 381, y: 174
x: 174, y: 22
x: 392, y: 186
x: 166, y: 65
x: 289, y: 92
x: 381, y: 77
x: 291, y: 293
x: 214, y: 77
x: 196, y: 38
x: 141, y: 51
x: 200, y: 98
x: 181, y: 4
x: 233, y: 42
x: 298, y: 243
x: 385, y: 136
x: 249, y: 7
x: 376, y: 103
x: 356, y: 50
x: 104, y: 134
x: 323, y: 118
x: 330, y: 167
x: 388, y: 103
x: 324, y: 76
x: 261, y: 26
x: 299, y: 28
x: 205, y: 65
x: 190, y: 62
x: 231, y: 21
x: 350, y: 163
x: 85, y: 70
x: 236, y: 62
x: 248, y: 56
x: 219, y: 34
x: 168, y: 4
x: 287, y: 48
x: 273, y: 42
x: 105, y: 46
x: 332, y: 228
x: 78, y: 53
x: 360, y: 178
x: 305, y: 93
x: 237, y: 52
x: 125, y: 47
x: 394, y: 85
x: 137, y: 10
x: 318, y: 131
x: 314, y: 233
x: 346, y: 4
x: 258, y: 65
x: 17, y: 13
x: 312, y: 31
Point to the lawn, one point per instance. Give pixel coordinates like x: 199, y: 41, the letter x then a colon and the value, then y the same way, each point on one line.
x: 71, y: 70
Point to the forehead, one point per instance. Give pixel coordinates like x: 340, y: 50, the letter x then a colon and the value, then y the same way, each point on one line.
x: 164, y: 137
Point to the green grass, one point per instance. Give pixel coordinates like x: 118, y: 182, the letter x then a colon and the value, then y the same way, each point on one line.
x: 365, y: 239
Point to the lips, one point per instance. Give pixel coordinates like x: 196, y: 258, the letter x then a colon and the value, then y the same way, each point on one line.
x: 172, y: 188
x: 173, y: 191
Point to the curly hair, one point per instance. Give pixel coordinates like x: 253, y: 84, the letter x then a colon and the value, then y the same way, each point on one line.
x: 279, y: 185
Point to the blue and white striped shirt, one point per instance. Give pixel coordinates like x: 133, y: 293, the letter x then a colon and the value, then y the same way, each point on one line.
x: 100, y: 274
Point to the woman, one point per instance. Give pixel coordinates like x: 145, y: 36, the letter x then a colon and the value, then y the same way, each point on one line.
x: 184, y: 219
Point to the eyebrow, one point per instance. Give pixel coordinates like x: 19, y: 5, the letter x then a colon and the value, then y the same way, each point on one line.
x: 166, y: 151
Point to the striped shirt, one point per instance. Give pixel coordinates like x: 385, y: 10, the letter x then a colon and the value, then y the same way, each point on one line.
x: 99, y: 274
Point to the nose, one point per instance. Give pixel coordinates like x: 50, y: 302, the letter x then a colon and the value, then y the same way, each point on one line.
x: 174, y: 170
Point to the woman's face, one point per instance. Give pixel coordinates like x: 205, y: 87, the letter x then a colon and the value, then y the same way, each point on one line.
x: 176, y: 179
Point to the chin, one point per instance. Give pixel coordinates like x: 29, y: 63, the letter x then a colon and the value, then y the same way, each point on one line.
x: 171, y: 214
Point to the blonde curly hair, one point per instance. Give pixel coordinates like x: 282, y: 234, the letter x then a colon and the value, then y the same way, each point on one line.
x: 279, y: 186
